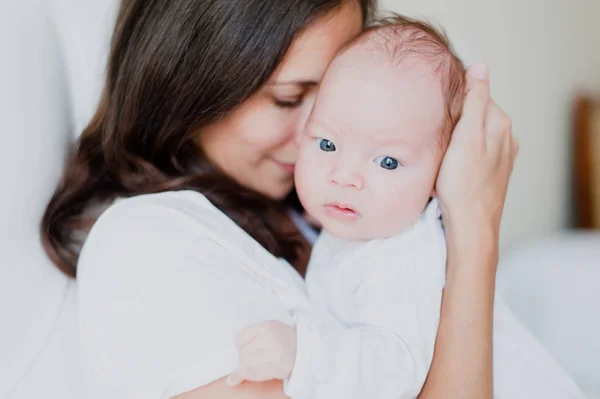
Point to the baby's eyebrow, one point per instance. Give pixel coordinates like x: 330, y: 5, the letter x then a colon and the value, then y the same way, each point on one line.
x: 323, y: 126
x: 392, y: 138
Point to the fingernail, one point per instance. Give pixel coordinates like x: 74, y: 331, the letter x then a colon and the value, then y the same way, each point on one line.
x: 480, y: 71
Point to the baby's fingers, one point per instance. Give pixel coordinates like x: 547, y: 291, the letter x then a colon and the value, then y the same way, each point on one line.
x: 248, y: 336
x: 236, y: 377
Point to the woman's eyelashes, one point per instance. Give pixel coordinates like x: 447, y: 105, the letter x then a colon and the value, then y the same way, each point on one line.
x: 292, y: 95
x: 288, y: 103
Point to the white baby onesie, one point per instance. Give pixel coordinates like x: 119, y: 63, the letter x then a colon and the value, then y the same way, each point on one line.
x: 386, y: 293
x: 386, y: 296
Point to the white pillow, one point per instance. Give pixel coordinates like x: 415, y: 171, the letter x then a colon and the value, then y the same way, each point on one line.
x: 50, y: 79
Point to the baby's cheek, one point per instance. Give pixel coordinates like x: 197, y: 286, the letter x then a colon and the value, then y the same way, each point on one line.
x: 398, y: 208
x: 392, y: 219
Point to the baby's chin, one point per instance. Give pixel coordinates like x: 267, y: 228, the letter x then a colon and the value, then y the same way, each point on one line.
x: 361, y: 230
x: 353, y: 231
x: 348, y: 234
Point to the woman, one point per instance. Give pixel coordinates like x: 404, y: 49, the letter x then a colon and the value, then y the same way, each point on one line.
x: 200, y: 109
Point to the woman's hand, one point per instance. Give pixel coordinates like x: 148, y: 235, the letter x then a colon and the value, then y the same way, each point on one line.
x: 474, y: 175
x: 471, y: 188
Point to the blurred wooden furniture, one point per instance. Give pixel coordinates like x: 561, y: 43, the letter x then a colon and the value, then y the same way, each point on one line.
x: 586, y: 162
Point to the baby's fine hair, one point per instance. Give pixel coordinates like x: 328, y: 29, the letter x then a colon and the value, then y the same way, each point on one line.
x: 399, y: 37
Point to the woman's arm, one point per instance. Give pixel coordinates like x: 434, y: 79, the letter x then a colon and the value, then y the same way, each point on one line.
x: 462, y: 362
x: 472, y: 188
x: 246, y: 390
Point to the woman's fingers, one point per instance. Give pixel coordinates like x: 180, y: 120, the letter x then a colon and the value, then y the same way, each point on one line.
x: 476, y: 101
x: 498, y: 127
x: 515, y: 148
x: 501, y: 145
x: 476, y: 168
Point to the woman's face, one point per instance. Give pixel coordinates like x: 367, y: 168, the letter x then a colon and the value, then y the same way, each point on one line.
x: 256, y: 144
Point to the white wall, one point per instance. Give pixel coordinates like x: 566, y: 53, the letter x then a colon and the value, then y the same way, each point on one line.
x: 540, y: 53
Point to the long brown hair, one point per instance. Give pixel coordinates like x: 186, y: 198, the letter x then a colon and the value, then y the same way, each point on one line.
x: 174, y: 68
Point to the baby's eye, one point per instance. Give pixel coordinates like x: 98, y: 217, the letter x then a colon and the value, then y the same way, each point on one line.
x: 326, y: 145
x: 387, y: 163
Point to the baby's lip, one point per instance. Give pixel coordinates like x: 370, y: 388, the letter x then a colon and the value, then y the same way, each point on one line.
x: 343, y: 206
x: 341, y: 211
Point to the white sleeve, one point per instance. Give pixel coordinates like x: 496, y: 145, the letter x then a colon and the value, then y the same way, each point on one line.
x: 386, y: 349
x: 160, y: 304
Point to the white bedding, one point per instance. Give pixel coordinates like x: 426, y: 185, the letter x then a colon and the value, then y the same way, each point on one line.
x: 551, y: 284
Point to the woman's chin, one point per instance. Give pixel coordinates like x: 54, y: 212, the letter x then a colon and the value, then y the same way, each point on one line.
x: 277, y: 191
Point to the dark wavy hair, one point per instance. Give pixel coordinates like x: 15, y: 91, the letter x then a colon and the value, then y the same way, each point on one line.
x: 173, y: 69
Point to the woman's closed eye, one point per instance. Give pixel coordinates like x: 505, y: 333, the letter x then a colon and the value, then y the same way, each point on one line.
x: 326, y: 145
x: 388, y: 163
x: 288, y: 102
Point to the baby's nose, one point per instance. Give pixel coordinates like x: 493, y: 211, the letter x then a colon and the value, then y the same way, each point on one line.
x: 347, y: 177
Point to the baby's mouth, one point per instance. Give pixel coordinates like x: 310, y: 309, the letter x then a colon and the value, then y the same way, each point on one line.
x: 341, y: 211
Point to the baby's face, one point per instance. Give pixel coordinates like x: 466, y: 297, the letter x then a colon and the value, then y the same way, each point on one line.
x: 371, y: 150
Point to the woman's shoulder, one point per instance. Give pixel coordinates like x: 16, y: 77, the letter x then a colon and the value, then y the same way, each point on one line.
x: 186, y: 204
x: 167, y: 231
x: 157, y: 228
x: 169, y: 214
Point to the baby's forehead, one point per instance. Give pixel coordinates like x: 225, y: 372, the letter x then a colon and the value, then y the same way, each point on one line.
x: 361, y: 64
x: 381, y: 97
x: 393, y: 48
x: 396, y: 135
x: 368, y: 82
x: 402, y: 71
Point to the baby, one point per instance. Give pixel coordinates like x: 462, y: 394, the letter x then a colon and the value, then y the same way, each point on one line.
x: 369, y: 158
x: 368, y: 162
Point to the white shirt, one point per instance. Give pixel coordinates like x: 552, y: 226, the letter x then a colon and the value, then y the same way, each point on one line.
x: 165, y: 282
x: 387, y: 293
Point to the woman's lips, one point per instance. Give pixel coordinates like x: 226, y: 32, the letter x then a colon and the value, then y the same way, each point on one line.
x: 342, y: 212
x: 287, y: 167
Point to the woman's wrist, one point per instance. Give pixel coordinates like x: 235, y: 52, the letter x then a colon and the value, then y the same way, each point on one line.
x: 472, y: 236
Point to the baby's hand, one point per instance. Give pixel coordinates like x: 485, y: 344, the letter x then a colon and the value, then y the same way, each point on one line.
x: 266, y: 350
